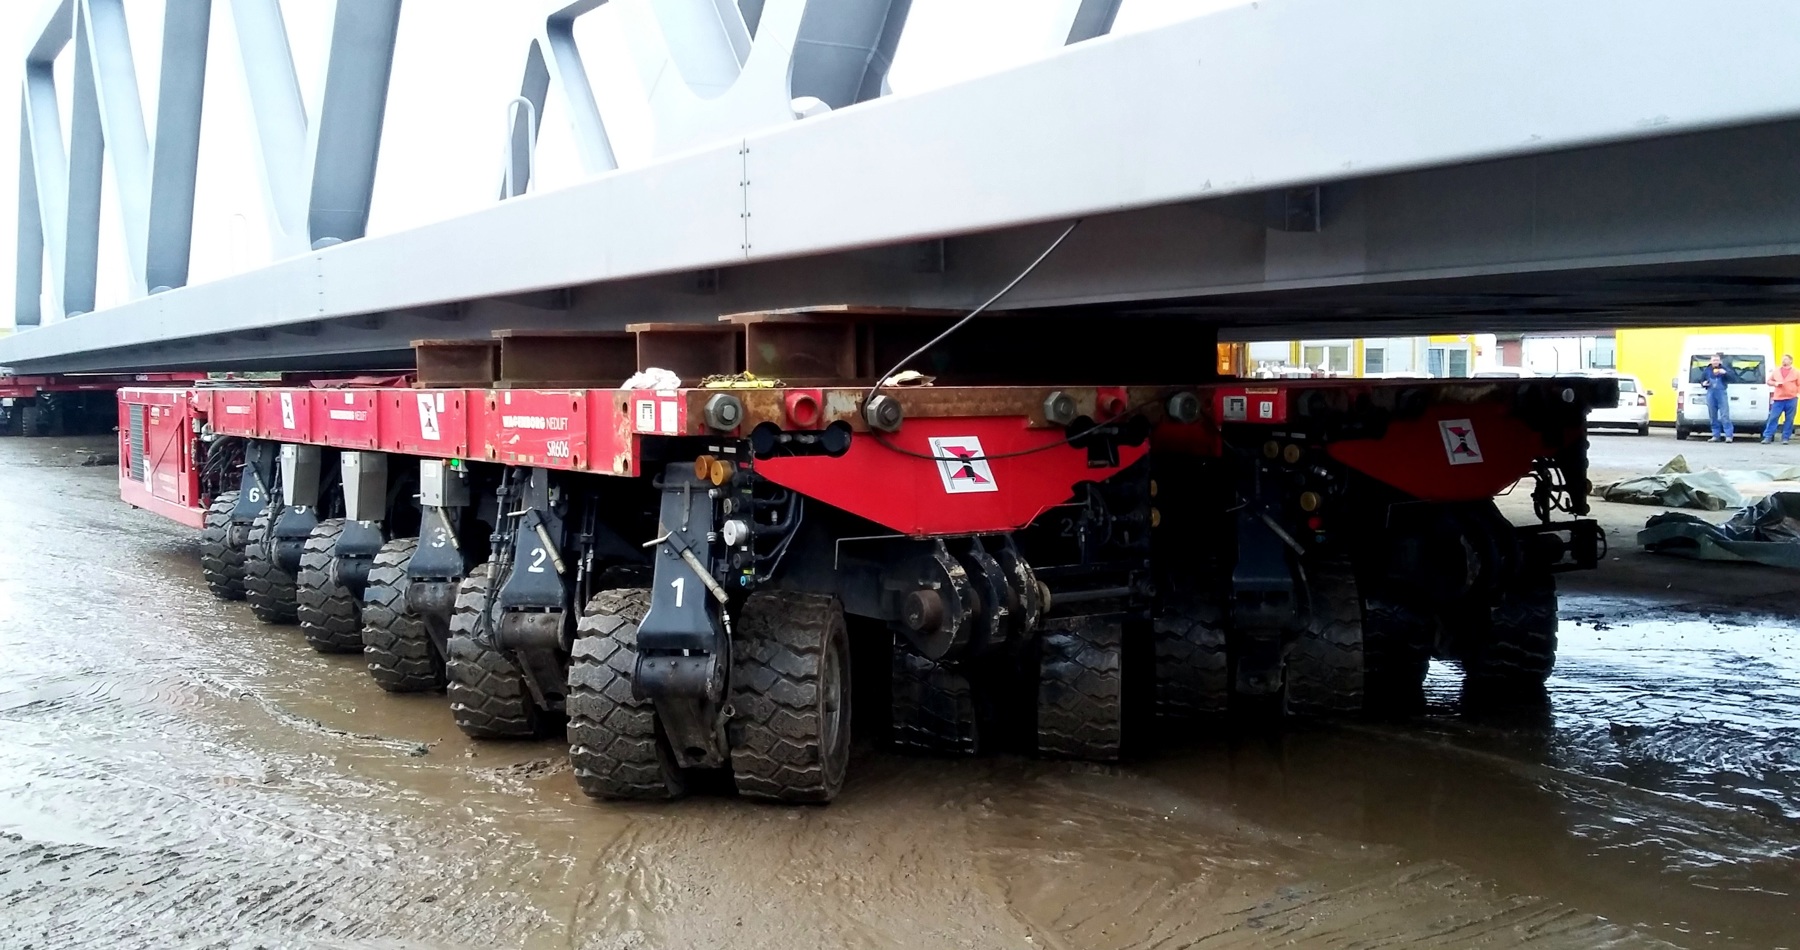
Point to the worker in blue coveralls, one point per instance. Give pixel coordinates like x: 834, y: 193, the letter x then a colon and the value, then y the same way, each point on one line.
x: 1718, y: 405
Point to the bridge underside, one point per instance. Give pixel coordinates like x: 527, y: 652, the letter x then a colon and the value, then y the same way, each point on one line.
x: 1252, y: 169
x: 1687, y: 230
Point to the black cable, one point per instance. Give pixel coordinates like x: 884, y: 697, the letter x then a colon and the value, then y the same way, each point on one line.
x: 881, y: 380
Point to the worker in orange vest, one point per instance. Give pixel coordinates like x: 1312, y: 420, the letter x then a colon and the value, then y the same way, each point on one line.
x: 1784, y: 385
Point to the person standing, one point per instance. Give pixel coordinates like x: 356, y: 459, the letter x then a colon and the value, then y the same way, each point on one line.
x: 1784, y: 393
x: 1718, y: 405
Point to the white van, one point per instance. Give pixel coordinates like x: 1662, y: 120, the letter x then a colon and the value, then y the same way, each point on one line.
x: 1749, y: 356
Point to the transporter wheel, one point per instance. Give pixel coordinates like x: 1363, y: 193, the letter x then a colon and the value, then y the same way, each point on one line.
x: 1193, y: 677
x: 1518, y: 648
x: 222, y: 563
x: 330, y: 615
x: 268, y: 588
x: 1324, y: 664
x: 488, y: 696
x: 615, y: 741
x: 1681, y: 433
x: 789, y: 730
x: 1397, y: 639
x: 402, y: 656
x: 1080, y: 695
x: 932, y: 705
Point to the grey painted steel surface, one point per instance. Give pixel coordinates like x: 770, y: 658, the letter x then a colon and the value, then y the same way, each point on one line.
x: 344, y: 140
x: 155, y: 190
x: 174, y: 166
x: 273, y: 88
x: 1491, y: 143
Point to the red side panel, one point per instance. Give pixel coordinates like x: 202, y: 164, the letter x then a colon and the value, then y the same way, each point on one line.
x: 165, y: 480
x: 345, y: 418
x: 284, y: 414
x: 233, y: 411
x: 428, y: 422
x: 1454, y: 452
x: 964, y: 484
x: 545, y: 428
x: 611, y: 425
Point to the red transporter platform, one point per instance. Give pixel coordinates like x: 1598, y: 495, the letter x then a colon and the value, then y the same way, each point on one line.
x: 679, y: 571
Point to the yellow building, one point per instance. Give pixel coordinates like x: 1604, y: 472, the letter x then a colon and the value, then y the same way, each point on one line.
x: 1654, y: 356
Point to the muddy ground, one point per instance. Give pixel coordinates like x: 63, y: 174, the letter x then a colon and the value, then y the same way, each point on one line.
x: 173, y: 774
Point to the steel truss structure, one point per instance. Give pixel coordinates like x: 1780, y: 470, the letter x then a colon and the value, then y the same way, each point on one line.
x: 1305, y: 163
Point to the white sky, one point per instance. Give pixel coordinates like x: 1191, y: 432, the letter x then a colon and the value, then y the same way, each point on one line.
x: 456, y: 65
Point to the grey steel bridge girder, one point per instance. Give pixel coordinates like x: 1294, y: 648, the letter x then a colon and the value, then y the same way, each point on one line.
x: 1625, y: 234
x: 318, y: 175
x: 345, y: 139
x: 155, y: 190
x: 1170, y: 141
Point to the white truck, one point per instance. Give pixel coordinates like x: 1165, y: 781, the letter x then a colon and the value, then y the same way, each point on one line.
x: 1749, y: 357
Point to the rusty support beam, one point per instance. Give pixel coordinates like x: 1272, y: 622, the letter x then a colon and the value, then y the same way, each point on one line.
x: 456, y: 363
x: 564, y: 359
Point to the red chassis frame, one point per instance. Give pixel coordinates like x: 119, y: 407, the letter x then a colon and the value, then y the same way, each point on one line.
x: 1464, y: 440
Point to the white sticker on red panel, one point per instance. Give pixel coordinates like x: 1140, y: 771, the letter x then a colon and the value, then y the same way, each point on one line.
x: 646, y: 415
x: 428, y: 418
x: 287, y: 410
x: 962, y: 465
x: 1460, y: 445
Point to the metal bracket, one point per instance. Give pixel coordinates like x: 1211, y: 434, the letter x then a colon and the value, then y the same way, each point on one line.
x: 681, y: 618
x: 1295, y: 209
x: 257, y: 485
x: 355, y: 555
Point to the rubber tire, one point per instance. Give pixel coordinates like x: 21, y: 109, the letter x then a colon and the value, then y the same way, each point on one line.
x: 1644, y: 429
x: 1519, y: 649
x: 402, y: 656
x: 1324, y: 664
x: 1681, y: 434
x: 1397, y: 642
x: 1080, y: 695
x: 1193, y: 675
x: 488, y: 696
x: 932, y: 706
x: 269, y: 589
x: 330, y: 615
x: 616, y: 743
x: 222, y: 564
x: 788, y: 648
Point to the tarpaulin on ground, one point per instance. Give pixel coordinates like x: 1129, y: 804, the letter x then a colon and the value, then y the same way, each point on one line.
x: 1674, y: 486
x: 1767, y: 532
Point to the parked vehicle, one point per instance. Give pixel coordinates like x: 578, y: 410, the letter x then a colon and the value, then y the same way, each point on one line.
x: 1748, y: 356
x: 1631, y: 411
